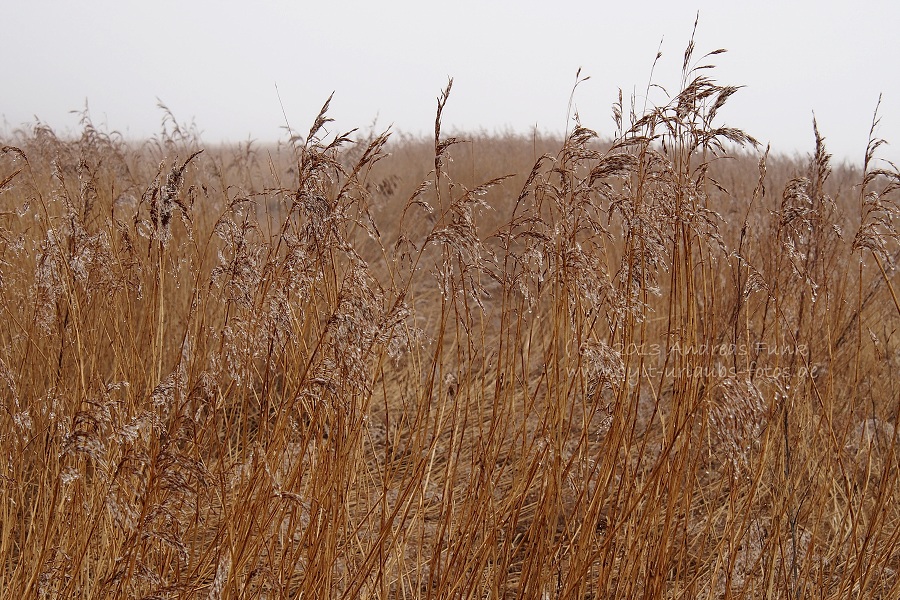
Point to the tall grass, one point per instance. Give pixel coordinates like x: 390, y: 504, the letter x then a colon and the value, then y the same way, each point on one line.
x: 659, y: 365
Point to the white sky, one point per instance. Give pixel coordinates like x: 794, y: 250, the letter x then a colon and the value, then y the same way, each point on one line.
x: 513, y: 63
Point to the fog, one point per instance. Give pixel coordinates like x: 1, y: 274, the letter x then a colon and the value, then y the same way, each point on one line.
x: 242, y: 70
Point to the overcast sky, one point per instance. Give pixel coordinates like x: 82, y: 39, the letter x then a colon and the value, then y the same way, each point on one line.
x: 218, y: 63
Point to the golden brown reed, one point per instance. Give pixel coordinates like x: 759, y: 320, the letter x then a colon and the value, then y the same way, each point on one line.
x: 656, y: 366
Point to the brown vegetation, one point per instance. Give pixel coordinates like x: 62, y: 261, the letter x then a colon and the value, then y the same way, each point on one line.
x: 660, y: 366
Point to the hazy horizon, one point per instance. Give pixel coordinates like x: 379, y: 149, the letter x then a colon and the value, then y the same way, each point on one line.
x: 240, y: 71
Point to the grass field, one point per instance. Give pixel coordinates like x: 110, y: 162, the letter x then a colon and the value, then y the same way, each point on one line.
x: 657, y: 363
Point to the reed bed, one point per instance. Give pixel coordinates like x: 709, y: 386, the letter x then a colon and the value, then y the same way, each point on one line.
x: 653, y: 364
